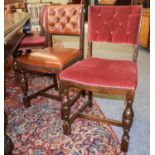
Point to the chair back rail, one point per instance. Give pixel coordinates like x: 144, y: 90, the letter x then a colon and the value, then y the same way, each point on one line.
x: 34, y: 10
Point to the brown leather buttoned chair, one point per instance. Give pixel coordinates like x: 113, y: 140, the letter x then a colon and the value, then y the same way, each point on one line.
x: 61, y: 20
x: 113, y: 24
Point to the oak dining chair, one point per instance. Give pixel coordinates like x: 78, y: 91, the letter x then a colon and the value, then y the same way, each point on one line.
x: 60, y: 20
x: 115, y: 25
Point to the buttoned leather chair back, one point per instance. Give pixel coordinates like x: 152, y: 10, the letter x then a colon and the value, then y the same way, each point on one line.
x: 64, y: 20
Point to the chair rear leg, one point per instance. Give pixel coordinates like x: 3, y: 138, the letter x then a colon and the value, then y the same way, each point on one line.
x: 55, y: 81
x: 90, y: 98
x: 65, y: 111
x: 127, y: 122
x: 24, y: 86
x: 83, y: 93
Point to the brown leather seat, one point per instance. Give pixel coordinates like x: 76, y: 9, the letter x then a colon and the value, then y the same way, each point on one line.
x: 60, y: 20
x: 49, y: 59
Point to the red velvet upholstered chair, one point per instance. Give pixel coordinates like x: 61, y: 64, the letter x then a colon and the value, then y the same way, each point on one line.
x: 61, y: 20
x: 115, y: 24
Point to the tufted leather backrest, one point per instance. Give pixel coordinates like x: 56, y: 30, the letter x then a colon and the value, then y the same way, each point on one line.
x: 116, y: 24
x: 64, y: 19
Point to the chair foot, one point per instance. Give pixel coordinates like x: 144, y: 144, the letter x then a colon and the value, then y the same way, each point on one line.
x: 125, y: 142
x: 26, y: 102
x: 127, y: 120
x: 65, y: 111
x: 66, y: 128
x: 8, y: 145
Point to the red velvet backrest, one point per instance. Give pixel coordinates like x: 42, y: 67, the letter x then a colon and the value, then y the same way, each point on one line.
x: 116, y: 24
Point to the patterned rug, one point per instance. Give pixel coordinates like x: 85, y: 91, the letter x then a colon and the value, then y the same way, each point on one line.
x: 38, y: 130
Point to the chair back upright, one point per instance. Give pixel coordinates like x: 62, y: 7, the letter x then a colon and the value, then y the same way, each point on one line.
x: 34, y: 10
x: 66, y: 20
x: 114, y: 24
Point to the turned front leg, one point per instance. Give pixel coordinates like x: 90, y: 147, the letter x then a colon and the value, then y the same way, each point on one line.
x: 15, y: 68
x: 89, y: 98
x: 127, y: 122
x: 24, y: 86
x: 65, y: 112
x: 55, y: 80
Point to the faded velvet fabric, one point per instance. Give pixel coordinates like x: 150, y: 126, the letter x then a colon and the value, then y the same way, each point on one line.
x: 117, y: 24
x: 97, y: 72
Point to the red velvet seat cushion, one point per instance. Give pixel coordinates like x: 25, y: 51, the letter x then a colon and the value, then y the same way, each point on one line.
x: 32, y: 41
x: 102, y: 73
x: 49, y: 59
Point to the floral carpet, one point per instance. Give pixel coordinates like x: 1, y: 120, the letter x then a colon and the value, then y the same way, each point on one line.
x: 37, y: 130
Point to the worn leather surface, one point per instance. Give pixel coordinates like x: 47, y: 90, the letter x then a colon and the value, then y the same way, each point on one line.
x: 98, y: 72
x: 117, y: 24
x: 49, y: 58
x: 64, y: 19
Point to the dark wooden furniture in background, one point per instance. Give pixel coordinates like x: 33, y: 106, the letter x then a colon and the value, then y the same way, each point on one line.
x: 13, y: 24
x: 76, y: 1
x: 123, y: 2
x: 100, y: 75
x: 144, y: 40
x: 145, y: 29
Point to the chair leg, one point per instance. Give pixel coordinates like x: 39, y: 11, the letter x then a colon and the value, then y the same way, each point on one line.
x: 55, y: 81
x: 90, y: 98
x: 15, y: 68
x: 83, y: 93
x: 24, y: 86
x: 65, y: 112
x: 127, y: 122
